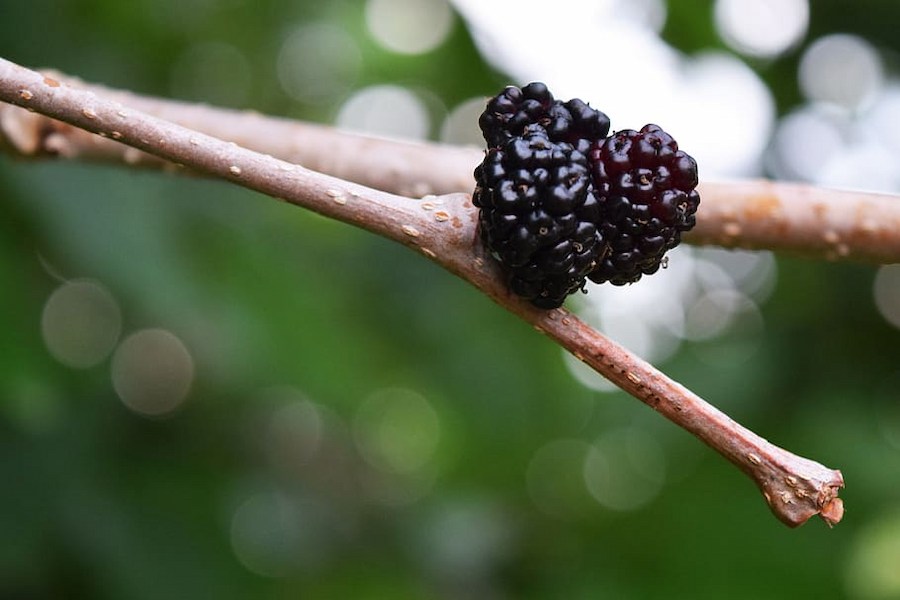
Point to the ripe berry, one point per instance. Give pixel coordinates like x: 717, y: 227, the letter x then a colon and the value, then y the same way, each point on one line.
x: 645, y: 187
x: 534, y: 190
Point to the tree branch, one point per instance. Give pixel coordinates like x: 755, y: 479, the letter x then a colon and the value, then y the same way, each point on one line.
x: 790, y: 217
x: 401, y: 167
x: 443, y: 228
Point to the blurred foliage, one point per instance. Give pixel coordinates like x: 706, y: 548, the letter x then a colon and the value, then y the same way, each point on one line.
x: 101, y: 502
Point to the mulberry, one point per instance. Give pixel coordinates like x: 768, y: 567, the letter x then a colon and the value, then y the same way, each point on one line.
x: 560, y: 202
x: 645, y: 187
x: 538, y: 213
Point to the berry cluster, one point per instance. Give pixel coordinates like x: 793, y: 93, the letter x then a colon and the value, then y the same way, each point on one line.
x: 561, y: 202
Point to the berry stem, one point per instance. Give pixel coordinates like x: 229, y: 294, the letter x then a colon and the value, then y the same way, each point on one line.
x: 443, y: 229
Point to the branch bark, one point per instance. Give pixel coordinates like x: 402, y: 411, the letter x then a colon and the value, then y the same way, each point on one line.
x: 443, y: 228
x: 401, y: 167
x: 788, y: 217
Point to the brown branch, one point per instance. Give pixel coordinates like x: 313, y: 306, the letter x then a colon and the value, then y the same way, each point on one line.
x: 443, y: 228
x: 401, y: 167
x: 799, y: 218
x: 796, y: 218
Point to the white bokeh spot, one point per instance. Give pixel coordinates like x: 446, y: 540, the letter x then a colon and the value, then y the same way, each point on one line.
x: 762, y: 28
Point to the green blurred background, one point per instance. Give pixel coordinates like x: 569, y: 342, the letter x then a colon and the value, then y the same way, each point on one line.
x: 208, y: 394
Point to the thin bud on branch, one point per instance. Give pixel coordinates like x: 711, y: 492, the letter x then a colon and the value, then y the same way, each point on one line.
x: 443, y: 228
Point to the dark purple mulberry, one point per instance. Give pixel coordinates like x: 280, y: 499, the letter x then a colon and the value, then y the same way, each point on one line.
x: 646, y: 189
x: 560, y: 202
x: 538, y: 214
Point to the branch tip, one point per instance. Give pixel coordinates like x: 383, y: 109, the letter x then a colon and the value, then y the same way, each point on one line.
x: 833, y: 512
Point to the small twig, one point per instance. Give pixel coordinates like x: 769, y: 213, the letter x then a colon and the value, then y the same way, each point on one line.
x: 797, y: 218
x: 444, y: 229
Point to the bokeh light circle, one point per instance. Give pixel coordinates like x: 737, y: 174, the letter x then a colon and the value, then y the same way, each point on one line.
x: 409, y: 26
x: 80, y: 323
x: 318, y: 62
x: 396, y: 430
x: 152, y: 372
x: 295, y: 431
x: 841, y: 69
x: 274, y: 534
x: 625, y: 469
x: 467, y: 539
x: 385, y: 110
x: 263, y: 531
x: 804, y: 141
x: 762, y: 28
